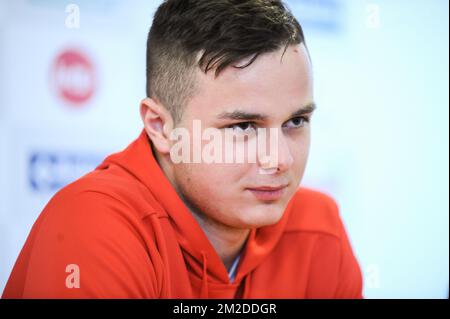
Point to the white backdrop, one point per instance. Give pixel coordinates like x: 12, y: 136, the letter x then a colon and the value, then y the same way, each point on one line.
x: 72, y: 75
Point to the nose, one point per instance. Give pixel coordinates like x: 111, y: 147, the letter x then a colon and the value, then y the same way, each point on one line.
x: 280, y: 158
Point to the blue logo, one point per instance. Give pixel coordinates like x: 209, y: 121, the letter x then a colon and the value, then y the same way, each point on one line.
x: 50, y: 171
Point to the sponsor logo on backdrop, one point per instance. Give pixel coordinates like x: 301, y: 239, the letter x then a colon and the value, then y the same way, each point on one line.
x: 73, y: 77
x: 49, y: 171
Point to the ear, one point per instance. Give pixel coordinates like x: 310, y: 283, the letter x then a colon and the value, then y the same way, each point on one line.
x: 158, y: 124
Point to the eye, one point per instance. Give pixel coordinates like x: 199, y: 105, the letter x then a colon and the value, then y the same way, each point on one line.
x: 297, y: 122
x: 243, y: 127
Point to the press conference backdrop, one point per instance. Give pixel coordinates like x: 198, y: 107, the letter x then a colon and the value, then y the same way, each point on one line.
x: 72, y: 76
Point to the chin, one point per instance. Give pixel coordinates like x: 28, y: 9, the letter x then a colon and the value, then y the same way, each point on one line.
x: 261, y: 216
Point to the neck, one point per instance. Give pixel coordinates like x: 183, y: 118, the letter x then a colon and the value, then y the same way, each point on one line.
x: 227, y: 241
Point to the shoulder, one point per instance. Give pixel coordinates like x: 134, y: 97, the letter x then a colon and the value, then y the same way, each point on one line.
x: 104, y: 192
x: 97, y: 207
x: 95, y: 224
x: 314, y: 211
x: 333, y: 263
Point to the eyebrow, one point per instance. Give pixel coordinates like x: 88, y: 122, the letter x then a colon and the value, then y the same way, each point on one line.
x: 245, y: 116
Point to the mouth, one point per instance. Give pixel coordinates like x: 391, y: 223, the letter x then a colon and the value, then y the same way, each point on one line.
x: 268, y: 193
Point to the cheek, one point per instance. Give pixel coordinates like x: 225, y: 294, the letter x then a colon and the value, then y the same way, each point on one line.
x: 215, y: 190
x: 300, y: 155
x: 208, y: 181
x: 300, y: 158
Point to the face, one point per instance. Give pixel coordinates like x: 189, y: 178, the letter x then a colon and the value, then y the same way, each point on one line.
x: 273, y: 92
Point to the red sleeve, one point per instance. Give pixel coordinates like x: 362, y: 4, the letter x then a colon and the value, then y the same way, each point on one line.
x: 83, y: 245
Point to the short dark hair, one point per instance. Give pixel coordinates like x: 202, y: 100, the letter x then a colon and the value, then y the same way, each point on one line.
x: 212, y: 35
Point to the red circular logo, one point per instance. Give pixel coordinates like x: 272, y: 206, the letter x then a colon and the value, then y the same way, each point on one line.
x: 73, y: 77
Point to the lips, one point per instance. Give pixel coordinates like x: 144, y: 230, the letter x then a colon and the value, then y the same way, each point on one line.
x: 268, y: 193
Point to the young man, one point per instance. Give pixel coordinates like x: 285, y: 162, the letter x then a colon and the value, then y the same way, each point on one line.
x: 146, y: 224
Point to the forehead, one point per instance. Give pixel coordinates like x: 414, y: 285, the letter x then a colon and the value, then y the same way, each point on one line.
x: 277, y: 83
